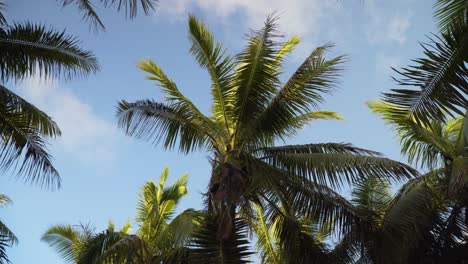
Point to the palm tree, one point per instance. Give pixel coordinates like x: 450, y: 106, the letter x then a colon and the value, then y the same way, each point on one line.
x: 441, y: 148
x: 29, y: 50
x: 251, y: 112
x: 440, y: 78
x: 87, y: 9
x: 7, y: 238
x: 161, y: 236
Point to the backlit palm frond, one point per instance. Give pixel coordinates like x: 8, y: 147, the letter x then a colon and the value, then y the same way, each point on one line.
x: 424, y: 144
x: 207, y: 249
x: 449, y: 12
x: 87, y: 11
x: 131, y: 7
x: 27, y: 49
x: 308, y: 199
x: 25, y: 130
x: 3, y: 20
x: 158, y: 122
x: 337, y: 168
x: 67, y: 240
x: 212, y: 56
x: 298, y: 96
x: 440, y: 79
x: 256, y: 77
x: 266, y: 244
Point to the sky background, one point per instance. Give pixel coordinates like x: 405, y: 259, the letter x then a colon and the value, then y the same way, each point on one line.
x: 102, y: 169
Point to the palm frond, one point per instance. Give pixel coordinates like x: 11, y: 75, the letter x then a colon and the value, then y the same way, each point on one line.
x: 265, y: 242
x: 157, y: 122
x: 424, y: 144
x: 256, y: 76
x: 28, y: 49
x: 131, y: 6
x: 88, y: 12
x: 298, y: 96
x: 213, y: 57
x: 25, y: 130
x: 336, y: 168
x: 449, y: 12
x: 440, y: 78
x: 63, y: 239
x: 3, y: 20
x: 206, y: 248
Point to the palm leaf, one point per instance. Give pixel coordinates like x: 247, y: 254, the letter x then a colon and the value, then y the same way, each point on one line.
x: 212, y: 57
x: 256, y: 76
x: 24, y: 132
x: 206, y: 248
x: 440, y: 78
x: 28, y: 49
x: 157, y: 122
x: 285, y: 113
x: 449, y: 12
x: 88, y: 12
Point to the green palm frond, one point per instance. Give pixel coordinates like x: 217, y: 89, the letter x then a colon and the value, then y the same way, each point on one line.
x: 25, y: 130
x: 213, y: 57
x: 206, y: 248
x: 285, y: 113
x: 7, y: 237
x: 67, y: 240
x: 88, y: 12
x: 449, y: 12
x: 157, y: 122
x: 425, y: 144
x: 27, y: 49
x: 265, y: 244
x: 285, y: 50
x: 336, y: 169
x: 256, y: 77
x: 440, y: 81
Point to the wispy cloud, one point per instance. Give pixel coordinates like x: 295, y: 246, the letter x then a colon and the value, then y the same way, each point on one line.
x: 313, y: 20
x: 85, y: 135
x: 385, y: 25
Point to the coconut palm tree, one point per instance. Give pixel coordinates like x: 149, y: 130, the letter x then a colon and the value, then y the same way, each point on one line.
x: 7, y: 237
x: 251, y: 112
x: 89, y: 14
x: 441, y: 149
x: 26, y: 50
x: 440, y: 77
x: 161, y: 236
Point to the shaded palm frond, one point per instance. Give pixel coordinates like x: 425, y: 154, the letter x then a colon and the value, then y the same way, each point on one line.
x: 87, y: 11
x: 28, y: 49
x: 206, y: 248
x: 440, y: 79
x: 450, y: 12
x: 157, y: 122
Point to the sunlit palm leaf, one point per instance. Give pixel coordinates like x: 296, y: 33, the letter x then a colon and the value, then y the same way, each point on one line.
x: 212, y: 56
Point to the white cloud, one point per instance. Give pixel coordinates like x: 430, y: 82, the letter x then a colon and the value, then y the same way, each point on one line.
x: 85, y: 135
x: 386, y: 26
x: 312, y: 20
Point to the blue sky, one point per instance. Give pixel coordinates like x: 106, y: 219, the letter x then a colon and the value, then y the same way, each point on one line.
x: 102, y: 169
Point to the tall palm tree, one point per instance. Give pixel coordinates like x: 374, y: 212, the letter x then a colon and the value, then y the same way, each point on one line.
x: 161, y: 236
x: 7, y: 237
x: 440, y: 77
x: 88, y: 11
x: 28, y: 49
x: 251, y: 112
